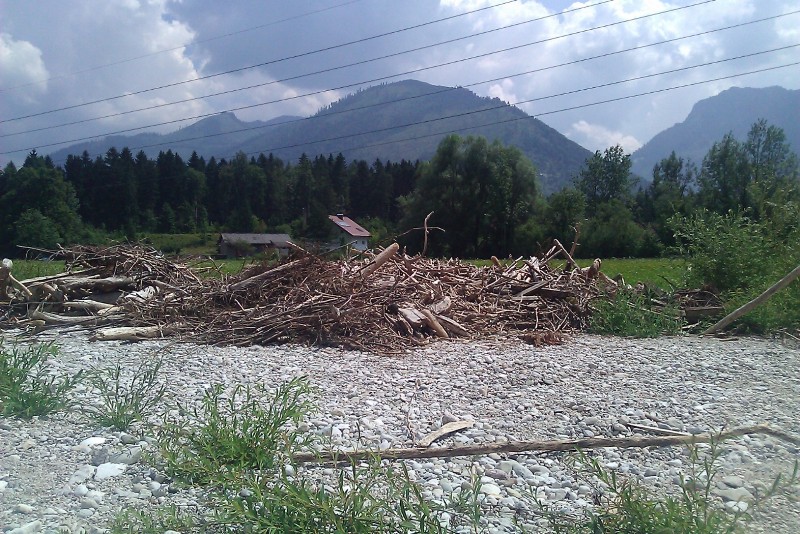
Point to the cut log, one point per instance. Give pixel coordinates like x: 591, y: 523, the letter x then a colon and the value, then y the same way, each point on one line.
x: 99, y: 285
x: 433, y: 324
x: 452, y: 326
x: 412, y: 317
x: 538, y: 445
x: 133, y: 333
x: 441, y: 306
x: 780, y: 284
x: 445, y: 430
x: 87, y: 305
x: 52, y: 318
x: 380, y: 259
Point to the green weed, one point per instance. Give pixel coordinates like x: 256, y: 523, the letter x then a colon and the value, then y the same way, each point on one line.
x: 26, y: 388
x: 630, y: 314
x: 124, y: 402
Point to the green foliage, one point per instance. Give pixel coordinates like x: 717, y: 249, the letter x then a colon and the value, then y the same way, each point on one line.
x: 631, y: 314
x: 365, y: 498
x: 605, y: 177
x: 234, y: 431
x: 123, y: 402
x: 612, y: 232
x: 480, y: 194
x: 26, y: 388
x: 627, y: 507
x: 742, y: 258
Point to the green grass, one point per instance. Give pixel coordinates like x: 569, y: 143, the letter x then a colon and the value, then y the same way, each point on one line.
x: 24, y: 269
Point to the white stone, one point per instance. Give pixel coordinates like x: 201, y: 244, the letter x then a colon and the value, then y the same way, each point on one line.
x: 93, y: 441
x: 109, y: 470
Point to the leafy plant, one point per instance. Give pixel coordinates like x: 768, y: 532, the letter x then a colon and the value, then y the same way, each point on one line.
x: 624, y: 505
x: 234, y: 432
x: 26, y: 388
x: 630, y: 314
x: 123, y: 403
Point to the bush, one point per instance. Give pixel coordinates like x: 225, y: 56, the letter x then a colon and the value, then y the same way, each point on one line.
x: 630, y: 314
x: 742, y: 257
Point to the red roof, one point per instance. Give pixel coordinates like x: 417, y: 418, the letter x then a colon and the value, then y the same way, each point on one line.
x: 349, y: 225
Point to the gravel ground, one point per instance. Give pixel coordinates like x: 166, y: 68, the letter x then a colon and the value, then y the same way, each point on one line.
x: 63, y: 474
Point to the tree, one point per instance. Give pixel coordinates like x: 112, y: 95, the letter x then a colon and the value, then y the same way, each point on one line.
x: 480, y: 193
x: 667, y: 195
x: 605, y: 177
x: 724, y: 177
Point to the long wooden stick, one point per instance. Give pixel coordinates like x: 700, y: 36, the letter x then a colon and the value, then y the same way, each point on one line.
x: 728, y: 319
x: 538, y: 445
x: 380, y: 259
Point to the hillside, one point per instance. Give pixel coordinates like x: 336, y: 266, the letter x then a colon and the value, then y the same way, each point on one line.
x: 401, y: 120
x: 733, y: 110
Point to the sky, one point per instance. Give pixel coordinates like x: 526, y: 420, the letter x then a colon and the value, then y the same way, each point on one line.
x: 97, y: 63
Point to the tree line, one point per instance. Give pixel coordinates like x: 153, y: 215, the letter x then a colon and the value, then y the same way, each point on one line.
x: 484, y: 196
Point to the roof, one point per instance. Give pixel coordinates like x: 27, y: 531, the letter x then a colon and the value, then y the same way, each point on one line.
x: 277, y: 240
x: 346, y: 224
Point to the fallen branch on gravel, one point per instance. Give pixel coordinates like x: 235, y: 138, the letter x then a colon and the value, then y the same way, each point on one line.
x: 539, y: 446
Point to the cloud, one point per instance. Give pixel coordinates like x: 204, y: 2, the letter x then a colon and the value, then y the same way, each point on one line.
x: 21, y: 64
x: 597, y: 137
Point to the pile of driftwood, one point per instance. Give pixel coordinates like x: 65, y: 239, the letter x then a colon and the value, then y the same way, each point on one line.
x: 381, y: 303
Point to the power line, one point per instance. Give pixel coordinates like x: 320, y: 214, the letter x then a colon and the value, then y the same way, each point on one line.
x: 286, y: 58
x: 526, y: 117
x: 190, y: 43
x: 608, y: 54
x: 505, y: 106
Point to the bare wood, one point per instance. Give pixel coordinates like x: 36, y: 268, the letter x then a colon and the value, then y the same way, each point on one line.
x: 133, y: 333
x: 539, y: 445
x: 657, y: 430
x: 441, y: 306
x: 88, y: 305
x: 413, y: 317
x: 142, y: 295
x: 104, y: 285
x: 425, y: 227
x: 52, y: 318
x: 380, y: 259
x: 763, y: 297
x: 7, y: 279
x: 496, y: 262
x: 431, y: 321
x: 567, y: 255
x: 253, y: 280
x: 452, y: 326
x: 446, y: 429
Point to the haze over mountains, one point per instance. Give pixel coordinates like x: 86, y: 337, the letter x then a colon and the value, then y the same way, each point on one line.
x: 404, y: 120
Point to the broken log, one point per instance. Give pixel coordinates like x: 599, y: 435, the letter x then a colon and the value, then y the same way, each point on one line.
x: 538, y: 445
x: 780, y: 284
x: 93, y: 284
x: 446, y: 429
x: 7, y: 280
x: 380, y: 259
x: 52, y: 318
x: 133, y: 333
x: 433, y: 324
x: 87, y: 305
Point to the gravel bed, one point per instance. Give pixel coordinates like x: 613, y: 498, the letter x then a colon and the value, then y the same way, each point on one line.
x: 63, y: 474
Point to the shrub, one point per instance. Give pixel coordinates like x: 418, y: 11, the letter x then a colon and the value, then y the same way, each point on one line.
x: 630, y: 314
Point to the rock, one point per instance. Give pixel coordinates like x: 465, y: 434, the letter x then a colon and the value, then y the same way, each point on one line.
x: 447, y: 417
x: 734, y: 494
x: 128, y: 457
x: 490, y: 489
x: 93, y: 441
x: 82, y: 474
x: 109, y: 470
x: 24, y: 509
x: 733, y: 481
x: 27, y: 528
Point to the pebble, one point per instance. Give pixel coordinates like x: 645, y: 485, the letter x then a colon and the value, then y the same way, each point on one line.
x: 588, y: 386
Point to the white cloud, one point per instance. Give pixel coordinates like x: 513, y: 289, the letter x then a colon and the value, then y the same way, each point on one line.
x: 21, y: 64
x: 597, y: 137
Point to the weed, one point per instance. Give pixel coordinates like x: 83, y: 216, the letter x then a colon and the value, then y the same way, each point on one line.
x: 123, y: 403
x: 623, y: 505
x: 26, y: 388
x: 631, y: 315
x: 234, y: 432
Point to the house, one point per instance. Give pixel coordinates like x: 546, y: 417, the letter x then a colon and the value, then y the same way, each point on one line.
x: 238, y: 245
x: 350, y: 233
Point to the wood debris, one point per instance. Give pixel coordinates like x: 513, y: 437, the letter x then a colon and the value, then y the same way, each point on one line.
x: 384, y: 303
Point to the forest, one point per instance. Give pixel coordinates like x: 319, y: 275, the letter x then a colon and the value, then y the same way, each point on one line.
x: 484, y: 196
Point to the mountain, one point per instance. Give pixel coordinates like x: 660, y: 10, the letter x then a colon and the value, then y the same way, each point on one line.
x: 733, y: 110
x: 394, y: 121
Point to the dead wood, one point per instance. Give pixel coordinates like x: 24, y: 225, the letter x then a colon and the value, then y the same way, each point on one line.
x: 540, y: 446
x: 380, y: 259
x: 763, y: 297
x: 445, y: 430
